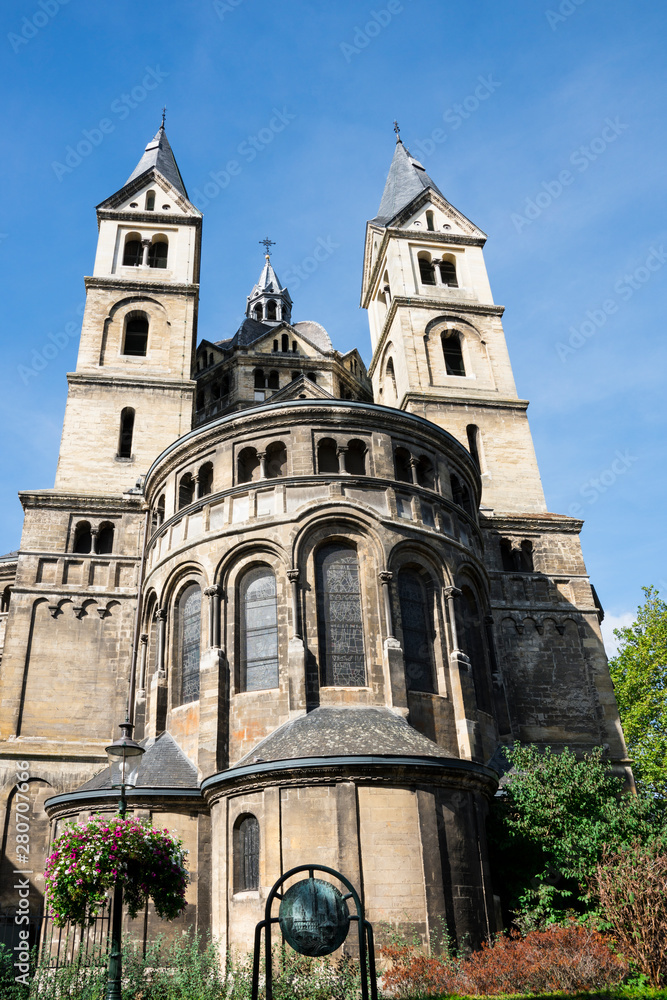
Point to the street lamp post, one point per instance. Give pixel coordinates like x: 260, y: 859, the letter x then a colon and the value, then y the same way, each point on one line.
x: 124, y: 758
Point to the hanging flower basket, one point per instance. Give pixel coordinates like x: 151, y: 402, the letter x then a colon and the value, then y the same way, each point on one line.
x: 89, y: 858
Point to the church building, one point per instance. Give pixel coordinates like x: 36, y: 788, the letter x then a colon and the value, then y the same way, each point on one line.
x: 328, y: 594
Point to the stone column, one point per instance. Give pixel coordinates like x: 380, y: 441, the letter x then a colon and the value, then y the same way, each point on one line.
x: 296, y: 653
x: 161, y: 618
x: 94, y: 532
x: 414, y: 462
x: 392, y: 653
x: 261, y: 455
x: 145, y: 247
x: 143, y: 639
x: 341, y: 452
x: 213, y: 594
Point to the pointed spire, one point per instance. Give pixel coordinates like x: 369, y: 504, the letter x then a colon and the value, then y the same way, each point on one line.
x: 158, y: 154
x: 269, y: 290
x: 406, y: 179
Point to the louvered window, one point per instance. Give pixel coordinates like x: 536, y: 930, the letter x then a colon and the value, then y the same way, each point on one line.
x: 340, y: 625
x: 417, y: 632
x: 259, y: 630
x: 189, y: 607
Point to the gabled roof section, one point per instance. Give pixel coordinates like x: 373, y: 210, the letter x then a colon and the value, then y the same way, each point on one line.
x: 301, y: 388
x: 158, y: 154
x: 406, y: 180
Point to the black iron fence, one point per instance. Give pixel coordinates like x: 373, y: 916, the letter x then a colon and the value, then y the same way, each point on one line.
x: 59, y: 946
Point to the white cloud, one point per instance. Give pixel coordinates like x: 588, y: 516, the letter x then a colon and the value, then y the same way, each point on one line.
x: 609, y: 624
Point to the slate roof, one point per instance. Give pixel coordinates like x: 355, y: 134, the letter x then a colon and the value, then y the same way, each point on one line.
x: 315, y: 333
x: 164, y: 765
x: 407, y: 179
x: 158, y: 154
x: 342, y: 732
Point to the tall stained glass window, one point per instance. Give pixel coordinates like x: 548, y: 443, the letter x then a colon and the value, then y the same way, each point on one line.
x: 339, y: 619
x: 415, y: 622
x: 246, y: 854
x: 259, y: 630
x: 189, y: 607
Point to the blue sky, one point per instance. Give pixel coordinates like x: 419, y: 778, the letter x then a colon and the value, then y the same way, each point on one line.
x: 562, y: 164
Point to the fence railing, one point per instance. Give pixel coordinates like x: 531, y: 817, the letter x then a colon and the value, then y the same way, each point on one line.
x: 58, y: 946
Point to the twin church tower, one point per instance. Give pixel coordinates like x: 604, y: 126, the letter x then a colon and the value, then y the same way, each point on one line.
x: 328, y: 594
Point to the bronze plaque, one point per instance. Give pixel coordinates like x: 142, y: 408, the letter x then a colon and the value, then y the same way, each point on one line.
x: 314, y: 917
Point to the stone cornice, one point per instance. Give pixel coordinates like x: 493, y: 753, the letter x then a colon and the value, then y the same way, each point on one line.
x: 133, y: 381
x: 448, y: 772
x: 539, y: 523
x: 71, y: 803
x: 130, y: 284
x: 157, y: 218
x: 448, y: 308
x: 100, y: 503
x: 440, y: 394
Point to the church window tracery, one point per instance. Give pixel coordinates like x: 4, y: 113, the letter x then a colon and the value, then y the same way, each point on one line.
x: 246, y: 854
x: 339, y: 617
x: 189, y: 627
x: 258, y: 630
x: 417, y: 631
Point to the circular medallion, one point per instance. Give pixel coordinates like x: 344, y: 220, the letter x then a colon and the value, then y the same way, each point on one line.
x: 314, y: 917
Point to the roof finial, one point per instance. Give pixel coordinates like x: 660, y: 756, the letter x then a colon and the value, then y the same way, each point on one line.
x: 397, y: 130
x: 267, y: 244
x: 164, y: 115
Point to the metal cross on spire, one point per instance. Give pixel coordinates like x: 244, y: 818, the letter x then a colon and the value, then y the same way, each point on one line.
x: 267, y: 245
x: 397, y: 130
x: 164, y: 115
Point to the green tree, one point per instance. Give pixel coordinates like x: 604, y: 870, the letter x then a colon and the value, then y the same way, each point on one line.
x: 549, y: 827
x: 639, y: 673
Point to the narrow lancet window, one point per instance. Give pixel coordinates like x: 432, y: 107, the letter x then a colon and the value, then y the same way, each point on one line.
x: 126, y: 432
x: 189, y: 613
x: 417, y: 632
x: 339, y: 617
x: 259, y: 630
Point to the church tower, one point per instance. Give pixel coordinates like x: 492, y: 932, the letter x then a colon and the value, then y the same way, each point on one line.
x: 132, y: 394
x: 438, y: 344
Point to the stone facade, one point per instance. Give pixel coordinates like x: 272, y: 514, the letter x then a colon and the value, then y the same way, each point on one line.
x: 327, y: 595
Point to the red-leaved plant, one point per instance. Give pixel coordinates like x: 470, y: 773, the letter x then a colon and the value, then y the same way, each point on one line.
x: 89, y: 858
x: 569, y: 958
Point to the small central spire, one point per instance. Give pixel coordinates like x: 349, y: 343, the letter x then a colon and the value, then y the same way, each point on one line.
x: 397, y: 130
x: 267, y: 244
x: 164, y: 115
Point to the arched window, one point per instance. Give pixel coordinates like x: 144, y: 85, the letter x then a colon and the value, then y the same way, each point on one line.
x: 426, y: 269
x: 189, y: 630
x: 276, y: 460
x: 448, y: 273
x: 429, y: 222
x: 312, y: 376
x: 402, y: 465
x: 275, y: 346
x: 83, y: 538
x: 248, y: 465
x: 526, y: 556
x: 258, y: 632
x: 417, y: 631
x: 246, y: 854
x: 295, y: 347
x: 136, y: 336
x: 158, y: 513
x: 6, y: 599
x: 339, y: 617
x: 150, y: 201
x: 274, y: 381
x: 284, y: 342
x: 211, y: 358
x: 390, y: 379
x: 451, y: 349
x: 105, y: 538
x: 132, y: 253
x: 457, y: 490
x: 507, y: 555
x: 186, y: 491
x: 295, y: 375
x: 271, y: 311
x: 473, y: 643
x: 425, y: 473
x: 327, y: 456
x: 258, y: 312
x: 126, y: 432
x: 260, y: 384
x: 206, y: 479
x: 157, y: 254
x: 472, y: 430
x: 355, y: 458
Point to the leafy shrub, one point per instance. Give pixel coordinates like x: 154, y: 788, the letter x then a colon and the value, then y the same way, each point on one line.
x: 631, y: 886
x: 567, y: 958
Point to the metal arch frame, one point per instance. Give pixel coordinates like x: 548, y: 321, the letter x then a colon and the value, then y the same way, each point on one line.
x: 366, y: 942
